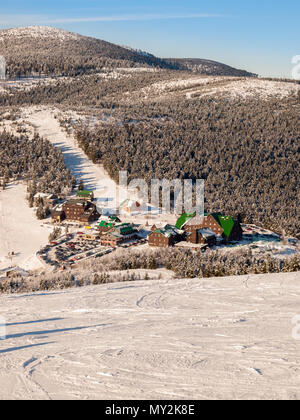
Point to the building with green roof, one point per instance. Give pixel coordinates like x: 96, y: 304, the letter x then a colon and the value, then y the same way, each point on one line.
x: 183, y: 219
x: 165, y: 237
x: 119, y: 234
x: 222, y: 225
x: 226, y: 222
x: 85, y: 194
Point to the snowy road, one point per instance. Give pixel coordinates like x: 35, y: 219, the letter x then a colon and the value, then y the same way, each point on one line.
x: 169, y: 339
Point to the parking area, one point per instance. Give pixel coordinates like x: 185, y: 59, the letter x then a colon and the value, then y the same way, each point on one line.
x: 73, y: 248
x: 254, y: 233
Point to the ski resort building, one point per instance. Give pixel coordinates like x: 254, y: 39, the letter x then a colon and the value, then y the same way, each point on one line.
x: 119, y: 234
x: 80, y: 211
x: 93, y: 236
x: 111, y: 239
x: 57, y: 214
x: 75, y: 211
x: 132, y: 207
x: 166, y: 237
x: 202, y: 236
x: 222, y: 226
x: 107, y: 223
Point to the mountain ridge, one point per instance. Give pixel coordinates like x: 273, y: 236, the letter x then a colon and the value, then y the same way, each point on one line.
x: 209, y: 67
x: 52, y: 51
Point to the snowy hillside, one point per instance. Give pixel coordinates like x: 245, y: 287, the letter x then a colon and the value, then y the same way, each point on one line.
x: 196, y: 86
x: 38, y: 49
x: 171, y: 339
x: 40, y: 32
x: 209, y: 67
x: 35, y: 49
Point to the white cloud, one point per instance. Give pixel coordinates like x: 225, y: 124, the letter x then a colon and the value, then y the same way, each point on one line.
x: 135, y: 18
x: 19, y: 19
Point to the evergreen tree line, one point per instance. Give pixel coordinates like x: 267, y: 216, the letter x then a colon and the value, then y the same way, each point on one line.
x: 35, y: 161
x: 184, y: 264
x: 103, y: 91
x: 189, y: 264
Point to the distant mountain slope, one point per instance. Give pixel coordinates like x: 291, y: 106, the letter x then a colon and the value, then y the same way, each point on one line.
x: 208, y: 67
x: 36, y: 50
x: 49, y: 50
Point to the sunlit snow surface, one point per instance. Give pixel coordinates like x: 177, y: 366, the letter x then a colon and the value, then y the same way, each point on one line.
x: 202, y: 338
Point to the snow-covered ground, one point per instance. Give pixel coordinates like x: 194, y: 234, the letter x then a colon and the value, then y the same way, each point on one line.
x: 169, y: 339
x: 48, y: 127
x: 191, y: 82
x: 26, y: 84
x: 250, y: 88
x: 20, y: 231
x: 220, y: 86
x: 38, y: 32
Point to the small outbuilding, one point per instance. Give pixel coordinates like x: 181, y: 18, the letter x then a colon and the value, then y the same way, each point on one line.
x: 85, y: 195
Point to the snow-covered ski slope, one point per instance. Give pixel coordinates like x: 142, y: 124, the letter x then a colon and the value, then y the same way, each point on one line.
x: 169, y: 339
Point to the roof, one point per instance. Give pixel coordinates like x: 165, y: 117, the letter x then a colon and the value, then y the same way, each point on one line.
x: 103, y: 223
x: 57, y: 209
x: 174, y: 229
x: 226, y: 222
x: 84, y: 193
x: 163, y: 232
x: 110, y: 219
x: 114, y: 218
x: 44, y: 195
x: 206, y: 233
x: 114, y: 234
x: 130, y: 203
x: 183, y: 219
x: 120, y: 230
x: 197, y: 220
x: 91, y: 233
x: 74, y: 202
x: 168, y: 231
x: 125, y: 229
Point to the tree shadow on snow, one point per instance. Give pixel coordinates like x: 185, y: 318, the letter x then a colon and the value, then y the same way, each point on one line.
x: 46, y: 332
x: 24, y: 347
x: 34, y: 322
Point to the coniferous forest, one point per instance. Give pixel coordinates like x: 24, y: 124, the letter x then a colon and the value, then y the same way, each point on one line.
x: 247, y: 152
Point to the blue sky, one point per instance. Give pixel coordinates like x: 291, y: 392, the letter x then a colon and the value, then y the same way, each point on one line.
x: 260, y: 36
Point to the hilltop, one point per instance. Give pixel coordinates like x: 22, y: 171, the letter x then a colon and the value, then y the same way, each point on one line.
x: 36, y: 50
